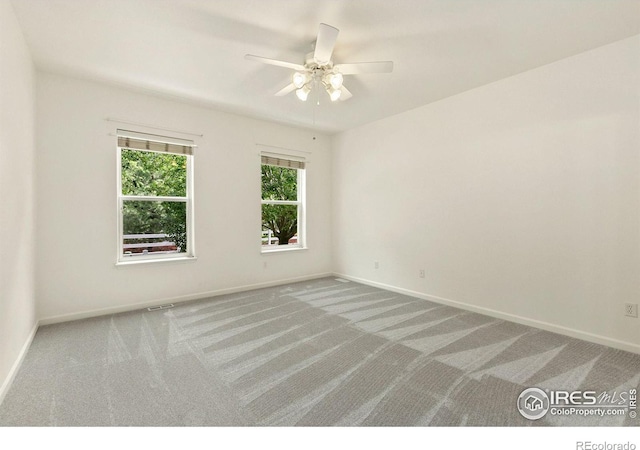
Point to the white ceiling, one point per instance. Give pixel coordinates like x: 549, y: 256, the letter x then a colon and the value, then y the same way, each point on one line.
x: 194, y: 49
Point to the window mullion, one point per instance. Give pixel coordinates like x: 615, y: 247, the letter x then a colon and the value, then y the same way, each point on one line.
x: 155, y: 198
x: 280, y: 202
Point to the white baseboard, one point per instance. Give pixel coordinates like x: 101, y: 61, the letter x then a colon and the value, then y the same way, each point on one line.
x: 180, y: 299
x: 16, y: 365
x: 578, y: 334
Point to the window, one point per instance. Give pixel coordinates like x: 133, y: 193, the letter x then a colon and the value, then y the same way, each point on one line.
x: 155, y: 197
x: 283, y: 201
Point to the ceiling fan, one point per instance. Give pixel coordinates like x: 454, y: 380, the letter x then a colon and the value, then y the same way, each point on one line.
x: 318, y: 70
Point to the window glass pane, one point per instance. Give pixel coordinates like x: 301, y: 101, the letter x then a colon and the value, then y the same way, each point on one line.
x: 279, y: 224
x: 150, y: 173
x: 154, y: 227
x: 279, y: 183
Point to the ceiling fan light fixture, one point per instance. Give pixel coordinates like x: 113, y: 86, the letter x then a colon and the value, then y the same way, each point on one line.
x: 300, y: 79
x: 333, y: 79
x: 336, y: 80
x: 303, y: 93
x: 334, y: 93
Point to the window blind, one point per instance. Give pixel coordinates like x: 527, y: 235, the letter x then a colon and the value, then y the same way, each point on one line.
x: 153, y: 143
x: 282, y: 162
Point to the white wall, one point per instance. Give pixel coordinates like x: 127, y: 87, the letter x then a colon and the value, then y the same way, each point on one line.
x: 520, y: 198
x: 17, y: 203
x: 77, y: 201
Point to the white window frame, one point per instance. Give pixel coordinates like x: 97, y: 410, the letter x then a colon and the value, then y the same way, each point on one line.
x: 123, y: 259
x: 300, y: 202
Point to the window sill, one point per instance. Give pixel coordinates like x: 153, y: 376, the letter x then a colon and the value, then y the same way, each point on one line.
x: 142, y: 262
x: 282, y: 250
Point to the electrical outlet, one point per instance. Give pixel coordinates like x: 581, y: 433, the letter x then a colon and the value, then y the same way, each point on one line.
x: 264, y: 264
x: 422, y: 273
x: 376, y: 265
x: 631, y: 309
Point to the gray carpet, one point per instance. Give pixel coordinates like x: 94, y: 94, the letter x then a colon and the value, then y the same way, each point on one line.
x: 316, y: 353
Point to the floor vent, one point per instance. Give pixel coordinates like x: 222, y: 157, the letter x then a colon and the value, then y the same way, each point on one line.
x: 159, y: 307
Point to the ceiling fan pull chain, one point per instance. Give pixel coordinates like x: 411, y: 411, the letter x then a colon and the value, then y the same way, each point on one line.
x: 317, y: 93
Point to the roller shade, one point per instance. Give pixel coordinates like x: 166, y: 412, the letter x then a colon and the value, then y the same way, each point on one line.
x: 282, y: 162
x: 153, y: 143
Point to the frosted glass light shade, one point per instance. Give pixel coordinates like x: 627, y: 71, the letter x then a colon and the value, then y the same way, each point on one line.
x: 334, y: 94
x: 303, y: 93
x: 336, y: 80
x: 300, y: 79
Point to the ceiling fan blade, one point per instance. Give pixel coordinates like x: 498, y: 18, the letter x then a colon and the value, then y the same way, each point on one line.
x: 285, y: 90
x: 365, y: 67
x: 346, y: 95
x: 275, y: 62
x: 325, y: 42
